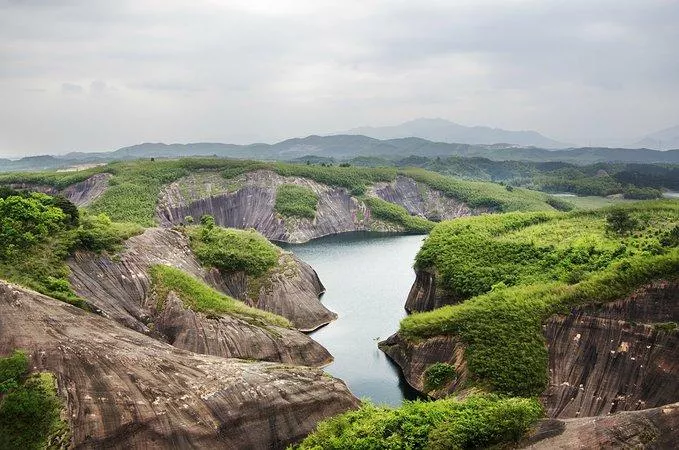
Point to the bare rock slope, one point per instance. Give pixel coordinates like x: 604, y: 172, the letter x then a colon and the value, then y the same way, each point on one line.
x: 81, y: 194
x: 248, y: 202
x: 619, y: 356
x: 120, y: 288
x: 123, y: 389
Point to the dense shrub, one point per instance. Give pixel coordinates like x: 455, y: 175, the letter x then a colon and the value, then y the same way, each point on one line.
x: 398, y: 215
x: 355, y: 179
x: 641, y: 193
x: 233, y: 250
x: 476, y: 422
x: 546, y: 262
x: 29, y: 406
x: 438, y: 375
x: 98, y: 233
x: 560, y: 204
x: 198, y: 296
x: 296, y: 201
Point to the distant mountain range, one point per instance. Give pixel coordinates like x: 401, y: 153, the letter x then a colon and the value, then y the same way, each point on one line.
x: 345, y: 147
x: 661, y: 140
x: 440, y: 130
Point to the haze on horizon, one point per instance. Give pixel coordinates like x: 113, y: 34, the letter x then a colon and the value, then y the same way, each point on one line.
x: 89, y: 75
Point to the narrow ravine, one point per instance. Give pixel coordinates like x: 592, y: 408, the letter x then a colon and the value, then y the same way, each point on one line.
x: 367, y: 277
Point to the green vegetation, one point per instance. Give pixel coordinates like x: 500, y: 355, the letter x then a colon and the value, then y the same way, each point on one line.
x: 38, y: 232
x: 232, y: 250
x: 481, y: 194
x: 397, y: 214
x: 514, y: 270
x: 29, y: 407
x: 355, y: 179
x: 296, y: 201
x: 438, y: 375
x: 479, y: 421
x: 560, y: 204
x: 199, y: 297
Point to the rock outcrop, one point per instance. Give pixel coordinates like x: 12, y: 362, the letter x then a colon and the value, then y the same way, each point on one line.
x: 248, y: 202
x: 615, y: 357
x: 123, y: 389
x: 119, y: 287
x: 618, y: 356
x: 655, y: 428
x: 424, y: 294
x: 415, y: 358
x: 81, y: 194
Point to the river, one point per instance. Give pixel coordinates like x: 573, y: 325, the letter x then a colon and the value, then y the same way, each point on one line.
x: 367, y: 277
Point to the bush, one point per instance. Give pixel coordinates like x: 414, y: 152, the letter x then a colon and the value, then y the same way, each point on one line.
x: 98, y: 233
x: 296, y: 201
x: 560, y: 204
x: 619, y: 221
x: 641, y: 193
x: 398, y: 215
x: 30, y: 408
x: 475, y: 422
x: 233, y: 250
x: 199, y: 297
x: 438, y: 375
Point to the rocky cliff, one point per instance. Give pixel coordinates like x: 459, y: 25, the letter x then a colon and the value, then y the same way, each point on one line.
x: 119, y: 287
x: 424, y: 294
x: 655, y: 428
x: 615, y: 357
x: 81, y: 194
x: 619, y: 356
x: 248, y: 202
x: 123, y: 389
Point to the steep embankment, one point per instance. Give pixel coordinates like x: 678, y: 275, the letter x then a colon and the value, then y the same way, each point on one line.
x: 126, y: 390
x: 120, y: 288
x: 81, y: 193
x: 655, y: 428
x: 579, y: 307
x: 249, y: 200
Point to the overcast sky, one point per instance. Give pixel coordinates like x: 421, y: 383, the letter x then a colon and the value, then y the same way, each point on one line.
x: 97, y: 75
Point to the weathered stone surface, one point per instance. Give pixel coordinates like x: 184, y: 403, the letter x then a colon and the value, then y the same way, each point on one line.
x: 126, y: 390
x: 248, y: 202
x: 420, y: 200
x: 655, y: 428
x: 119, y: 288
x: 415, y: 358
x: 424, y: 294
x: 81, y: 194
x: 611, y: 358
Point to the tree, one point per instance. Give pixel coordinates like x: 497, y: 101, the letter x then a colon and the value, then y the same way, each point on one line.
x: 619, y: 221
x: 24, y: 221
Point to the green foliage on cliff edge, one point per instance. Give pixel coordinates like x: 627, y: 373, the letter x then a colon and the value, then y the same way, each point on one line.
x: 29, y: 407
x: 232, y: 250
x: 515, y: 270
x: 38, y: 232
x: 397, y: 214
x: 198, y: 296
x: 296, y: 201
x: 479, y: 421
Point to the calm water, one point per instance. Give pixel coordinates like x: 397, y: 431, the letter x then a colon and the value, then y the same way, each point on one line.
x: 367, y: 277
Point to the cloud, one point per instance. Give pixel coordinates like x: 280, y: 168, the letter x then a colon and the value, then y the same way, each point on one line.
x: 174, y: 70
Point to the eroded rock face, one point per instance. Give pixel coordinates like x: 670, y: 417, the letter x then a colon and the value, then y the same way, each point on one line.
x: 248, y: 202
x: 120, y: 288
x: 612, y: 358
x: 420, y: 200
x: 123, y: 389
x: 415, y: 358
x: 80, y: 194
x: 655, y: 428
x: 424, y: 294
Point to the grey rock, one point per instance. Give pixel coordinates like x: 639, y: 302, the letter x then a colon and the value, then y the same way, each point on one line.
x: 123, y: 389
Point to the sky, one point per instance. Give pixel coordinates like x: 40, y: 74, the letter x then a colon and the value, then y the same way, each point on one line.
x: 94, y: 75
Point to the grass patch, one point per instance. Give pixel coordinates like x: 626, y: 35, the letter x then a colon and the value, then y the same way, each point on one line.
x: 438, y: 375
x: 515, y: 270
x: 482, y: 194
x: 296, y: 201
x: 479, y: 421
x: 232, y: 250
x: 398, y: 215
x: 199, y: 297
x: 29, y: 407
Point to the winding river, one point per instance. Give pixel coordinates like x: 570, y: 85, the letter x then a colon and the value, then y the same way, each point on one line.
x: 367, y: 277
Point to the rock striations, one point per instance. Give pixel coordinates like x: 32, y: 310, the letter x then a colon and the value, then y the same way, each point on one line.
x: 123, y: 389
x: 248, y: 202
x: 120, y: 288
